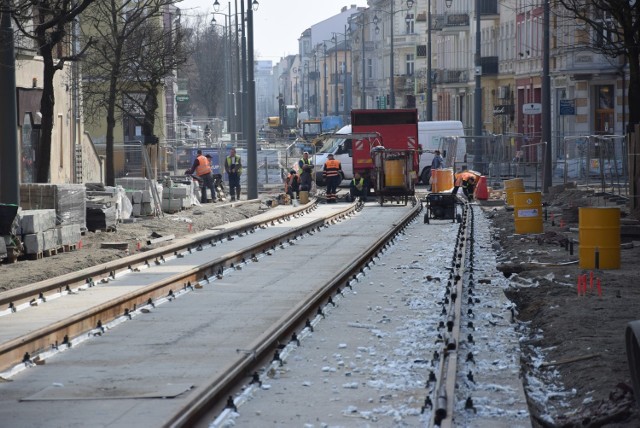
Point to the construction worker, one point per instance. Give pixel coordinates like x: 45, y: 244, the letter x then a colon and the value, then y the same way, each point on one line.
x: 201, y: 168
x: 468, y: 187
x: 292, y: 184
x: 436, y: 163
x: 465, y: 180
x: 332, y: 173
x: 357, y: 188
x: 306, y: 180
x: 303, y: 161
x: 233, y: 168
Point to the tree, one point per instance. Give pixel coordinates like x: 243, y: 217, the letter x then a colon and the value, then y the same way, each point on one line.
x: 112, y: 24
x: 47, y: 22
x: 159, y: 50
x: 207, y: 66
x: 612, y: 28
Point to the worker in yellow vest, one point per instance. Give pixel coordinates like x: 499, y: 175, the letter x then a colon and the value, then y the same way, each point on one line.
x: 233, y: 168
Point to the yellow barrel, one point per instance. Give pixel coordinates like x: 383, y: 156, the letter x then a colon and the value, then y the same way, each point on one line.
x: 599, y: 233
x: 441, y: 180
x: 527, y: 212
x: 512, y: 186
x: 393, y: 173
x: 304, y: 197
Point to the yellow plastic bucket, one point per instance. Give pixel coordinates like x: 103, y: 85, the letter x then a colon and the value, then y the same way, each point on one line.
x: 515, y: 185
x: 527, y: 212
x: 599, y: 233
x: 393, y: 173
x: 304, y: 197
x: 441, y: 180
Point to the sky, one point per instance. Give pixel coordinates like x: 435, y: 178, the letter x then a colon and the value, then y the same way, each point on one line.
x: 278, y: 24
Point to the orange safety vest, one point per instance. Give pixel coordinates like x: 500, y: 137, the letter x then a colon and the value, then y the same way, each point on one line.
x: 203, y: 167
x: 332, y: 168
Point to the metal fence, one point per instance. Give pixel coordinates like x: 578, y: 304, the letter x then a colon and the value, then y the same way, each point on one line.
x: 597, y: 161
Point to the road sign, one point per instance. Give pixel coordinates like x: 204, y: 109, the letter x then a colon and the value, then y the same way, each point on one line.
x: 532, y: 108
x: 567, y: 107
x: 182, y: 98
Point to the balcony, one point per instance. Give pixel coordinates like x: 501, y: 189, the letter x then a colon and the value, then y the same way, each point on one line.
x: 404, y: 83
x: 488, y: 8
x: 489, y: 65
x: 451, y: 76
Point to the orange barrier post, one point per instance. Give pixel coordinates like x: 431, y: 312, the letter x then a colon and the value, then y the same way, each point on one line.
x: 599, y: 288
x: 482, y: 193
x: 80, y: 244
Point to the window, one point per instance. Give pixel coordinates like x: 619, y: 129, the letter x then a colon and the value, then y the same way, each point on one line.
x: 605, y: 35
x: 410, y: 21
x: 410, y: 64
x: 369, y: 68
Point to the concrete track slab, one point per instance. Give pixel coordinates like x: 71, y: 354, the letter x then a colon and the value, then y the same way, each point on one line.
x: 187, y: 340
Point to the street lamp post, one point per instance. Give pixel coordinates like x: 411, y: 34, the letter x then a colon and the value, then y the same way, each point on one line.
x: 252, y: 154
x: 250, y: 110
x: 227, y: 63
x: 392, y: 93
x: 324, y: 89
x: 334, y: 39
x: 343, y: 71
x: 429, y: 73
x: 363, y: 96
x: 477, y: 102
x: 306, y: 70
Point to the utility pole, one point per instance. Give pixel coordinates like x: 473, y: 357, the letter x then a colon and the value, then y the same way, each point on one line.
x: 363, y: 96
x: 546, y: 102
x: 429, y: 82
x: 243, y: 92
x: 252, y: 153
x: 9, y: 160
x: 392, y: 92
x: 477, y: 101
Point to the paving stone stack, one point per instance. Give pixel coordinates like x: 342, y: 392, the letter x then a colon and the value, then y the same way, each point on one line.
x: 68, y: 201
x: 176, y: 197
x: 39, y: 232
x: 102, y: 207
x: 139, y: 193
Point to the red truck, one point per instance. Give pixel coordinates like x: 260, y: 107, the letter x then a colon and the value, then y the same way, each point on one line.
x: 399, y: 133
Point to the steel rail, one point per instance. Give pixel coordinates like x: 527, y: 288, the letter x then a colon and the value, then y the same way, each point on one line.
x: 444, y: 390
x: 216, y: 390
x: 40, y: 290
x: 26, y: 348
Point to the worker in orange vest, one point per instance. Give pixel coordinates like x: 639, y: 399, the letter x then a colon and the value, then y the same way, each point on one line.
x: 332, y: 173
x: 201, y: 168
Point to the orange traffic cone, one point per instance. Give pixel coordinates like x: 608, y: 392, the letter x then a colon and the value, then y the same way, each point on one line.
x: 482, y: 192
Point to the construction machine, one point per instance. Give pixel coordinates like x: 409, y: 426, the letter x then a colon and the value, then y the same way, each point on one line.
x: 285, y: 125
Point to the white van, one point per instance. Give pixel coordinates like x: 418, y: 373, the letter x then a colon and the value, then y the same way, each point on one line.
x: 444, y: 136
x: 341, y: 150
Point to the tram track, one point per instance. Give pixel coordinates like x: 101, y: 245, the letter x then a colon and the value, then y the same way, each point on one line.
x: 211, y: 394
x: 26, y: 348
x: 266, y: 348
